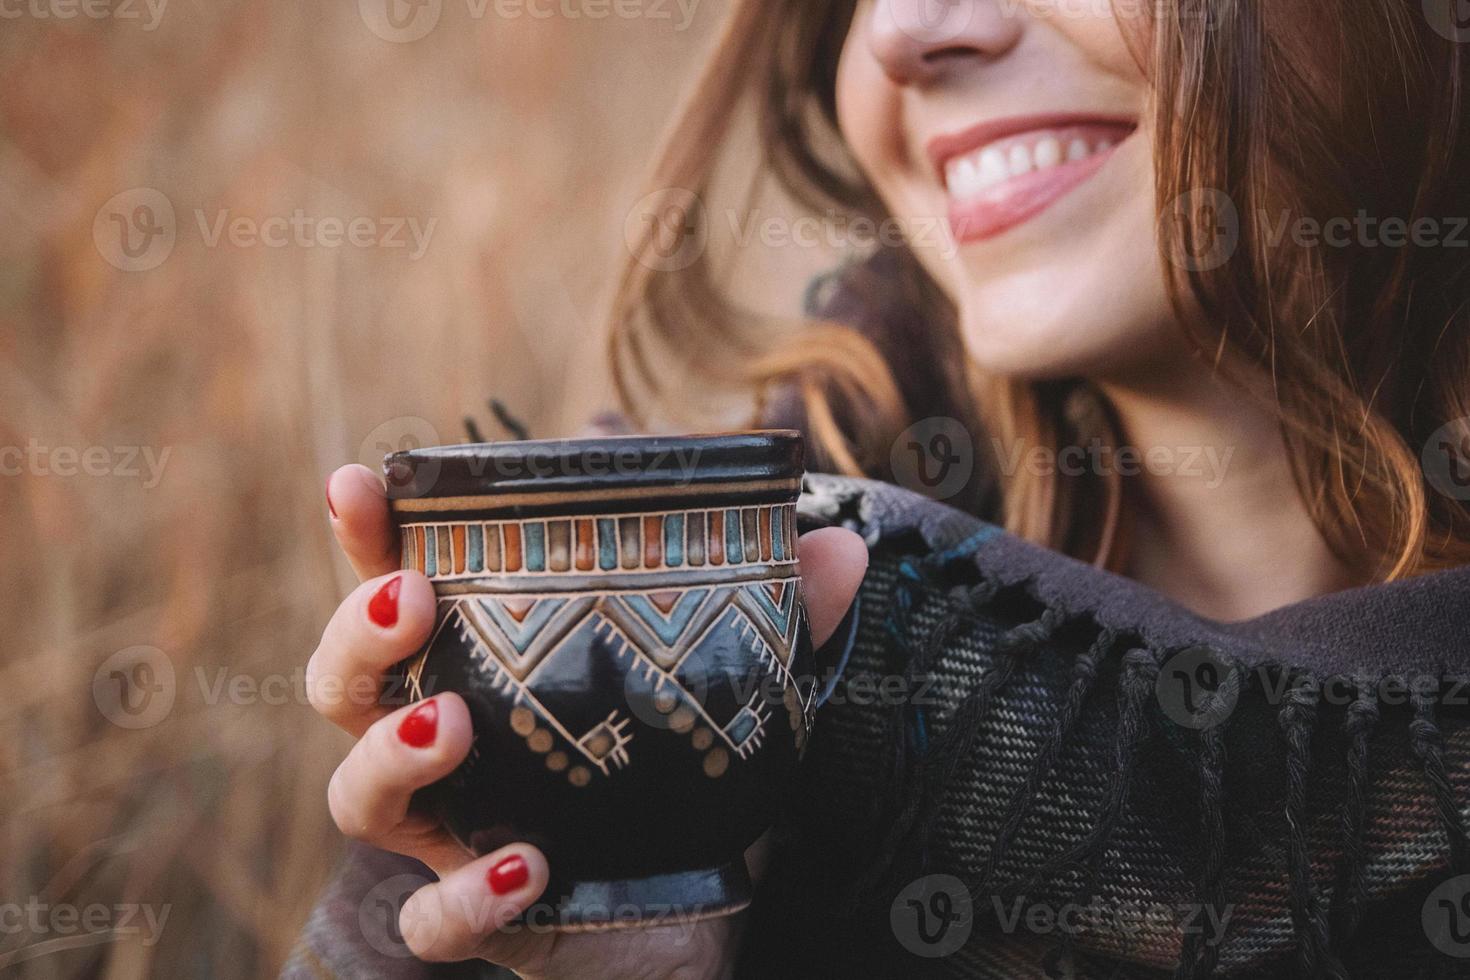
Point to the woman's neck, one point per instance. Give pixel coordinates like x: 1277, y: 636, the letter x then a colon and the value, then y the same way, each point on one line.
x: 1218, y: 523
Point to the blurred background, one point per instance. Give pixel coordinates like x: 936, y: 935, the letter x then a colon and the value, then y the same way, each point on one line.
x: 244, y: 243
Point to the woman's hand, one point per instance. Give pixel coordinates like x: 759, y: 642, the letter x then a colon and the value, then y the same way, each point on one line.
x: 469, y: 911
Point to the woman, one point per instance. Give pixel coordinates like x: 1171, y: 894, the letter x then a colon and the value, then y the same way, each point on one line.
x: 1207, y: 230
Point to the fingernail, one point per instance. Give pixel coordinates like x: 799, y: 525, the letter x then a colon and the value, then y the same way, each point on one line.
x: 421, y: 725
x: 331, y: 509
x: 383, y: 606
x: 508, y: 875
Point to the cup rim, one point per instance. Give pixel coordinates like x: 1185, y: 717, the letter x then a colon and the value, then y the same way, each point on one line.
x: 757, y: 458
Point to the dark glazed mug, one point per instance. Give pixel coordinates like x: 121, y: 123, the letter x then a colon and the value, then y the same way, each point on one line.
x: 624, y: 619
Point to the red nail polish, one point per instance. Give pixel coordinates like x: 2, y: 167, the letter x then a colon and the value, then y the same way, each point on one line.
x: 508, y: 875
x: 330, y: 508
x: 383, y: 606
x: 421, y: 725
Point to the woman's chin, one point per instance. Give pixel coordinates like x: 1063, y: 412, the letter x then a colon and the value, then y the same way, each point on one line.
x: 1033, y: 346
x: 1049, y: 324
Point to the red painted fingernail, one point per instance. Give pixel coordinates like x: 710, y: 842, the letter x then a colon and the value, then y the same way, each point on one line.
x: 383, y: 606
x: 420, y: 726
x: 508, y: 875
x: 330, y: 508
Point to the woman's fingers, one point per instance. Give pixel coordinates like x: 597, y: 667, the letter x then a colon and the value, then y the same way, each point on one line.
x: 462, y: 914
x: 833, y: 562
x: 358, y: 507
x: 383, y: 621
x: 370, y: 793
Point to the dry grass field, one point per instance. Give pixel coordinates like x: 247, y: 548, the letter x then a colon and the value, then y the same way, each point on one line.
x: 246, y: 241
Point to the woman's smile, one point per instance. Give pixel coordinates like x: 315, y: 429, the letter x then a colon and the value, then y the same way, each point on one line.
x: 1002, y: 173
x: 1028, y: 138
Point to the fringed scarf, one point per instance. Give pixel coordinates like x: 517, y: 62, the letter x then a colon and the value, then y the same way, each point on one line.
x: 1070, y: 775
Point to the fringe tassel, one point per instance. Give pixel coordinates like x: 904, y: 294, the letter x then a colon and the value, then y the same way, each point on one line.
x: 1084, y: 676
x: 1428, y: 744
x: 1350, y: 894
x: 923, y: 771
x: 937, y: 768
x: 1140, y: 669
x: 959, y: 738
x: 1298, y: 719
x: 1090, y: 856
x: 1199, y: 954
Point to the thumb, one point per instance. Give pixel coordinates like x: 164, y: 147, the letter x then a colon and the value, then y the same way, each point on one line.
x: 833, y: 562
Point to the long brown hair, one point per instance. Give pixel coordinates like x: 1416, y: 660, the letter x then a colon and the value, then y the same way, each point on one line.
x: 1353, y: 107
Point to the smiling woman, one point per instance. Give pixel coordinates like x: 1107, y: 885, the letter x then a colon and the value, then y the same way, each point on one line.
x: 1166, y: 682
x: 1112, y: 173
x: 1129, y: 191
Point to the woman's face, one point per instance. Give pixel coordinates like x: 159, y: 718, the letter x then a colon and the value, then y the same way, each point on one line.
x: 1017, y: 127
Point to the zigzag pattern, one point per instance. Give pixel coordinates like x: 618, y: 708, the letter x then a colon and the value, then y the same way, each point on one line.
x: 776, y: 606
x: 674, y: 637
x: 523, y: 630
x: 667, y: 614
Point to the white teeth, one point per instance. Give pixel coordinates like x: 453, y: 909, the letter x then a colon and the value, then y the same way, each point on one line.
x: 969, y: 175
x: 962, y: 176
x: 993, y: 168
x: 1020, y: 160
x: 1048, y: 153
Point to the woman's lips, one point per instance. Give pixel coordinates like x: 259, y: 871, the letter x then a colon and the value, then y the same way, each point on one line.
x: 1000, y: 175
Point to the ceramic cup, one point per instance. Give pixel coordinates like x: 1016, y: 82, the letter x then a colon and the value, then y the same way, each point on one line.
x: 624, y: 619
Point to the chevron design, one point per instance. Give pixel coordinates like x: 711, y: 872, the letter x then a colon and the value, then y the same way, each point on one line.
x: 668, y: 614
x: 776, y: 602
x: 661, y: 625
x: 522, y: 630
x: 534, y: 647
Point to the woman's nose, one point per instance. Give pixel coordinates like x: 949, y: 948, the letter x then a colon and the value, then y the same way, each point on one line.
x: 917, y: 41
